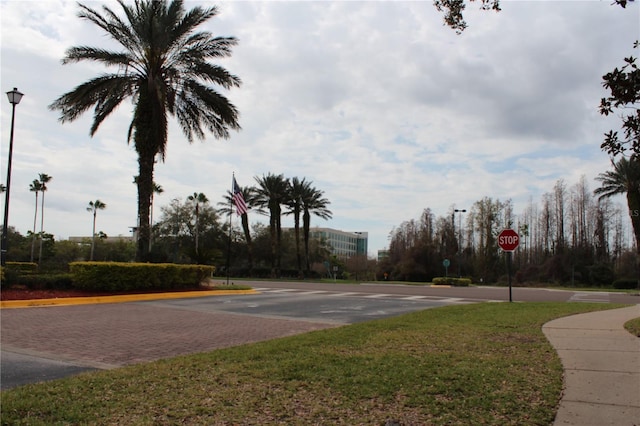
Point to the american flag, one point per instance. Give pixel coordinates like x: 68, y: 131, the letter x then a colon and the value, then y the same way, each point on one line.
x: 238, y: 199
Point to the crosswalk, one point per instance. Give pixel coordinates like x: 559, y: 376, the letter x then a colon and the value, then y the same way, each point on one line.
x: 590, y: 296
x: 418, y: 298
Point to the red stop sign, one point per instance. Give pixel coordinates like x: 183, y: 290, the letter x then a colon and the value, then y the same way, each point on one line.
x: 508, y: 240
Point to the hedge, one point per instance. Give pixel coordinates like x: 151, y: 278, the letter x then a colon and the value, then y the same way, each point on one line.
x: 457, y: 282
x: 626, y: 284
x: 119, y: 276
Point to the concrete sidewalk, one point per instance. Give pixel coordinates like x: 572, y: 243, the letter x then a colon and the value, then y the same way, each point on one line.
x: 601, y: 362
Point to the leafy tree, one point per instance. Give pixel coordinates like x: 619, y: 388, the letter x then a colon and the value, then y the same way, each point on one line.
x: 36, y: 187
x: 454, y: 9
x: 175, y: 234
x: 164, y: 67
x: 93, y: 208
x: 271, y: 193
x: 624, y: 98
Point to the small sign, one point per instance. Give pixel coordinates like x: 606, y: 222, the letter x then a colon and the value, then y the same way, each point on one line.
x: 446, y: 263
x: 508, y: 240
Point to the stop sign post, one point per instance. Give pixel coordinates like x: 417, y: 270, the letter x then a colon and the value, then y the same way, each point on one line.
x: 508, y: 241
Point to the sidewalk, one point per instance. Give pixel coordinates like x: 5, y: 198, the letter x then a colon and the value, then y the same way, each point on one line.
x: 601, y: 362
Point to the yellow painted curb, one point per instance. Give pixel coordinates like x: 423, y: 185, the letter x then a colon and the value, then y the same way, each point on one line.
x: 93, y: 300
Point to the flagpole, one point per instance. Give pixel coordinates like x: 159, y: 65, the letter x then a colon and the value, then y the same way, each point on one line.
x: 233, y: 176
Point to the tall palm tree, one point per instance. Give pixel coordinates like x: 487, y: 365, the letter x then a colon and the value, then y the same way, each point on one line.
x: 44, y: 179
x: 271, y: 193
x: 36, y: 187
x: 197, y: 199
x: 624, y: 179
x: 313, y: 202
x: 226, y: 207
x: 94, y: 206
x: 297, y: 188
x: 164, y: 67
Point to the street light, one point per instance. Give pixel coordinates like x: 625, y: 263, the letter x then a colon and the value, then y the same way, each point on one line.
x: 14, y: 99
x: 459, y: 237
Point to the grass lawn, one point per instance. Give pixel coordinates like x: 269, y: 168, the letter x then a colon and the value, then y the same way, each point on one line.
x: 470, y: 364
x: 633, y: 326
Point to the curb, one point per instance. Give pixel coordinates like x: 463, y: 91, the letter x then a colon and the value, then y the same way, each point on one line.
x: 94, y: 300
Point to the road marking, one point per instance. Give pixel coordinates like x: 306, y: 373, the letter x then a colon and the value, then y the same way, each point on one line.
x: 590, y: 296
x: 415, y: 297
x: 377, y: 296
x: 343, y: 294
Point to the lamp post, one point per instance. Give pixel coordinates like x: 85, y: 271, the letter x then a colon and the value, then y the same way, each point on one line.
x: 459, y: 237
x: 14, y: 99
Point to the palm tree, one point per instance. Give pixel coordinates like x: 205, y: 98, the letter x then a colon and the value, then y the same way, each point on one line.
x: 312, y: 203
x: 164, y: 68
x: 270, y: 194
x: 297, y: 189
x: 197, y: 199
x: 94, y: 206
x: 44, y: 179
x: 36, y: 187
x: 624, y: 179
x: 226, y: 208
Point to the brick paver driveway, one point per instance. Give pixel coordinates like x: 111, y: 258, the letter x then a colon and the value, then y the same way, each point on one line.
x: 113, y: 335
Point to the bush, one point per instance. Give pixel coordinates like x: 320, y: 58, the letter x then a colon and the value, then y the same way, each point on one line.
x: 116, y: 276
x: 601, y: 274
x: 625, y: 284
x: 47, y: 281
x: 456, y: 282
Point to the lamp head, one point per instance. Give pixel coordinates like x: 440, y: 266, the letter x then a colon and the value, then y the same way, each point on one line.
x: 14, y: 96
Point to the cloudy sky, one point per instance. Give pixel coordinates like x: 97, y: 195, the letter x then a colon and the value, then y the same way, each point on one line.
x: 380, y: 105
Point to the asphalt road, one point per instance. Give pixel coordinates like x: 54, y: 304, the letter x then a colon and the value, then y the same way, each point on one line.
x: 46, y: 343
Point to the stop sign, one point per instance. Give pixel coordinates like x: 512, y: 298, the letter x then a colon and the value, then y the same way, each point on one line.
x: 508, y: 240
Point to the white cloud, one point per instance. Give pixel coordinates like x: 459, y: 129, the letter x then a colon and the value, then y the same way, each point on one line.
x: 379, y: 104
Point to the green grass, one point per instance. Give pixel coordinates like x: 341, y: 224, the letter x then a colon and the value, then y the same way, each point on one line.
x: 473, y: 364
x: 633, y: 326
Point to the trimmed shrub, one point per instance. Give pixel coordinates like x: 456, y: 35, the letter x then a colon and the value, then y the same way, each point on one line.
x: 118, y: 276
x: 456, y: 282
x: 47, y: 281
x: 13, y: 271
x: 625, y: 284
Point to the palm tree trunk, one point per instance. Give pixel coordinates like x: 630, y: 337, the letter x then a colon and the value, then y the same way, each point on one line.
x: 306, y: 220
x: 247, y: 237
x: 41, y: 227
x: 151, y: 221
x: 33, y: 237
x: 93, y: 235
x: 273, y: 232
x: 145, y: 187
x: 197, y: 214
x: 296, y: 224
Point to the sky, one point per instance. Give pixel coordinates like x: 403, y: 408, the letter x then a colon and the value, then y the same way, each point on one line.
x: 379, y: 104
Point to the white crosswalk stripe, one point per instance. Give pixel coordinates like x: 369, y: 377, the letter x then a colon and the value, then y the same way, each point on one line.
x: 418, y: 298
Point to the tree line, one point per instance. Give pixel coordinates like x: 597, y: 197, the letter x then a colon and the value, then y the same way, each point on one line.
x: 572, y: 235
